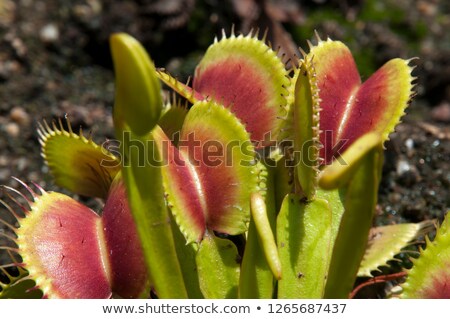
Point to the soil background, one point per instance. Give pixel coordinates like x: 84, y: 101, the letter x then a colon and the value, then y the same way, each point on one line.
x: 55, y: 62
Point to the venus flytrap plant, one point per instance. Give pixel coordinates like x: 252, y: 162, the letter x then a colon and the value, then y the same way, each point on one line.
x: 429, y: 277
x: 193, y: 209
x: 71, y: 252
x: 386, y: 241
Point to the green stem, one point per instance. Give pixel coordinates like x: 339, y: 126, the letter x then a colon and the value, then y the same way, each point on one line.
x: 146, y: 197
x: 256, y: 280
x: 359, y: 202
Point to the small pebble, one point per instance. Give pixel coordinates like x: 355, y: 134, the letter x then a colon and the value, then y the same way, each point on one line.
x: 22, y: 163
x: 403, y: 167
x: 9, y: 68
x: 19, y: 47
x: 436, y: 143
x: 441, y: 112
x: 407, y: 173
x: 12, y: 129
x: 4, y: 174
x: 3, y: 160
x: 51, y: 85
x: 19, y: 115
x: 409, y: 143
x: 49, y: 33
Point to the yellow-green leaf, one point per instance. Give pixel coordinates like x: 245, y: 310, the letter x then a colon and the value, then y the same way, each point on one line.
x: 387, y: 241
x: 304, y: 239
x: 265, y: 234
x: 343, y: 168
x: 256, y: 279
x: 137, y: 109
x: 218, y: 267
x: 429, y: 278
x: 306, y: 128
x: 138, y: 102
x: 360, y: 198
x: 76, y: 162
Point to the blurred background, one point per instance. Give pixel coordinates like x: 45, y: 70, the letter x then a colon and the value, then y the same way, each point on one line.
x: 55, y: 60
